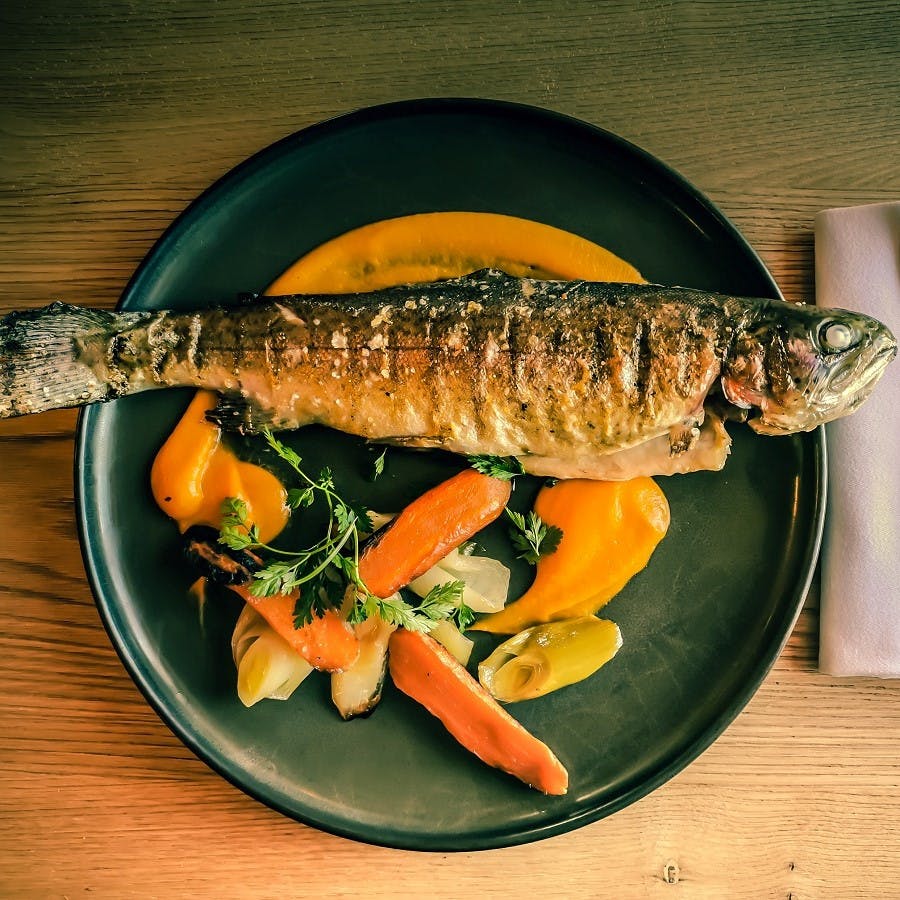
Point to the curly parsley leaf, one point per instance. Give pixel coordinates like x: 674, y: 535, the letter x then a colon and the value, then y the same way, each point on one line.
x: 236, y: 531
x: 464, y: 616
x: 291, y: 457
x: 503, y: 467
x: 378, y: 465
x: 532, y: 537
x: 442, y: 601
x: 298, y: 498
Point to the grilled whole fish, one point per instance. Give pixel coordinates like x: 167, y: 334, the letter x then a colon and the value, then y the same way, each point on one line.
x: 577, y: 379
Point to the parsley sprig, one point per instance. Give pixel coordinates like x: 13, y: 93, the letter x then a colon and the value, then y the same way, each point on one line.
x: 326, y: 568
x: 443, y: 601
x: 503, y: 467
x: 317, y: 567
x: 532, y: 536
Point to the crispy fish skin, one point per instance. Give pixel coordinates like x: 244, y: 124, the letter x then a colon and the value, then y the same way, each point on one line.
x: 596, y: 379
x: 503, y: 374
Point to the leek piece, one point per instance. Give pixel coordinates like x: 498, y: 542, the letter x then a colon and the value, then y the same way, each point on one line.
x: 544, y: 658
x: 446, y: 633
x: 268, y: 668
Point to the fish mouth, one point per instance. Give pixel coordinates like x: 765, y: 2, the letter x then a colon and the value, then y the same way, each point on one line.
x: 879, y: 362
x: 814, y: 414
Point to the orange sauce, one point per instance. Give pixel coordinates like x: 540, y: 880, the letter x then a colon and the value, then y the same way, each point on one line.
x: 432, y: 246
x: 610, y: 530
x: 194, y: 471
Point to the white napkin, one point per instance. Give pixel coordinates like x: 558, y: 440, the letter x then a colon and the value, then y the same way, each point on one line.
x: 858, y: 268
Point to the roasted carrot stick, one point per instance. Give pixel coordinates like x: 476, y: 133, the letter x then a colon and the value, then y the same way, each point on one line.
x: 327, y: 642
x: 425, y: 671
x: 429, y: 528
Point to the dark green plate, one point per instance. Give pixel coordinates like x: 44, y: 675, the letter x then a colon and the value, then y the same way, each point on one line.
x: 701, y: 625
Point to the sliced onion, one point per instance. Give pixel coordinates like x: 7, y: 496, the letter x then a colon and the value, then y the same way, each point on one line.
x: 483, y: 575
x: 486, y: 580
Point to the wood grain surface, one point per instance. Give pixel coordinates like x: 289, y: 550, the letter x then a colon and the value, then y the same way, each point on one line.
x: 113, y: 116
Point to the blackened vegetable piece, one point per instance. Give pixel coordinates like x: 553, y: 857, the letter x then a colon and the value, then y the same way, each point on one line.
x: 215, y: 561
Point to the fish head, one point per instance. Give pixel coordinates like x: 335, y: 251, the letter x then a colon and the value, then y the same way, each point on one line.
x: 798, y: 366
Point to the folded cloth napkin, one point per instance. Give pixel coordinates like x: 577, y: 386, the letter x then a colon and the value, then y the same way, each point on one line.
x: 858, y: 268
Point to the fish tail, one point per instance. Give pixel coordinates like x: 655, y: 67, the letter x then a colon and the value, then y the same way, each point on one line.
x: 54, y: 357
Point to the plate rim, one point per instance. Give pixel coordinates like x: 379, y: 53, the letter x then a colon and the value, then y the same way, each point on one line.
x: 90, y: 550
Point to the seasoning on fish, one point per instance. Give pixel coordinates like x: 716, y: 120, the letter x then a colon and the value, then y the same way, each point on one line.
x: 576, y: 379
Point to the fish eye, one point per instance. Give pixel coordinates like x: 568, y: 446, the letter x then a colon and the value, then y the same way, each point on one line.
x: 836, y: 336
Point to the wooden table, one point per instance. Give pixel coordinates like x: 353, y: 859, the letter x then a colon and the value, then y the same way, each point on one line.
x: 113, y: 117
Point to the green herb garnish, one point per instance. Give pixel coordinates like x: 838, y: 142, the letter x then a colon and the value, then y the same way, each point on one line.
x: 444, y: 601
x: 503, y: 467
x: 464, y: 616
x: 378, y: 465
x: 532, y: 536
x: 236, y: 532
x: 327, y: 568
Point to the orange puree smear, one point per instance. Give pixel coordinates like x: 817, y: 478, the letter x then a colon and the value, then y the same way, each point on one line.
x: 432, y: 246
x: 194, y: 471
x: 610, y: 529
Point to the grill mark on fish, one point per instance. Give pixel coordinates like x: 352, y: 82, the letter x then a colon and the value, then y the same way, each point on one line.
x: 193, y: 350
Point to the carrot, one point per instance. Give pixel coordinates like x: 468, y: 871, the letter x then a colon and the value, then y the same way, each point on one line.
x: 429, y: 528
x: 423, y: 669
x: 327, y: 642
